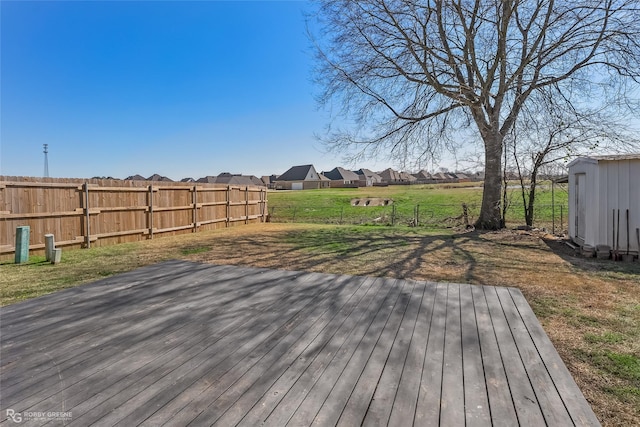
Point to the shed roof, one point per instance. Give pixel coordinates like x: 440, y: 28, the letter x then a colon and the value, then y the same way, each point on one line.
x: 606, y: 158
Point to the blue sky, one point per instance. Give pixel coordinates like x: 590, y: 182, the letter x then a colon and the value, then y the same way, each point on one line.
x: 184, y: 89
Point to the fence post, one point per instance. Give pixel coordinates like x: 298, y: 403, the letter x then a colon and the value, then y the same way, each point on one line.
x: 228, y: 205
x: 150, y: 211
x: 417, y: 215
x: 553, y: 208
x: 246, y: 204
x: 393, y: 214
x: 341, y: 214
x: 86, y: 215
x: 465, y: 214
x: 194, y: 199
x: 561, y: 217
x: 49, y: 246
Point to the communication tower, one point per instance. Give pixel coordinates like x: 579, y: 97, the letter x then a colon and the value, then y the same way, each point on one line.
x: 46, y: 160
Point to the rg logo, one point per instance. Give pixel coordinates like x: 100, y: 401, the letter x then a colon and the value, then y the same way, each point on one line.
x: 16, y: 417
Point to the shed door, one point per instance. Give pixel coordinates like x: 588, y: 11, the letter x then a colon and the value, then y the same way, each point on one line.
x: 296, y: 186
x: 580, y: 204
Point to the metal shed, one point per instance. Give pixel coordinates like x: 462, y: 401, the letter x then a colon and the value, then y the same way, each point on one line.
x: 604, y: 201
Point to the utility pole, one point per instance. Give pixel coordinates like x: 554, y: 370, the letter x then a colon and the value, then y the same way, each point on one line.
x: 46, y: 160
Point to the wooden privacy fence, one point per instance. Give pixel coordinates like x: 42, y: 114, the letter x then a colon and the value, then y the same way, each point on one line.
x: 103, y: 212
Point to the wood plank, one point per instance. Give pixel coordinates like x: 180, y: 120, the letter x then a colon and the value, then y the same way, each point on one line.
x: 377, y: 386
x: 211, y: 221
x: 166, y: 230
x: 302, y: 402
x: 333, y: 346
x: 98, y: 236
x: 177, y: 373
x: 503, y: 412
x: 313, y: 354
x: 238, y: 328
x: 524, y: 397
x: 41, y: 184
x: 69, y: 366
x: 476, y: 400
x: 428, y: 406
x: 325, y: 408
x: 211, y: 189
x: 219, y: 365
x: 579, y: 410
x: 120, y: 209
x: 55, y: 322
x: 551, y: 404
x: 172, y: 208
x: 83, y: 336
x: 36, y: 215
x: 452, y: 375
x: 93, y: 187
x: 247, y: 390
x: 404, y: 405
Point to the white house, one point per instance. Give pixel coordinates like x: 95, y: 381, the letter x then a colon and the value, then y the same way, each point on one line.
x: 602, y: 189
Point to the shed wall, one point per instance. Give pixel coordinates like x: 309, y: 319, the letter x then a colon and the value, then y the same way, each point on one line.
x: 612, y: 188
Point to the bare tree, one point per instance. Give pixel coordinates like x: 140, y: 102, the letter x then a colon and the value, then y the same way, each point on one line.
x: 413, y: 74
x: 553, y: 131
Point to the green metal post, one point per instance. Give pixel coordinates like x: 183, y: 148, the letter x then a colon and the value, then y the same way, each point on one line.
x: 22, y: 244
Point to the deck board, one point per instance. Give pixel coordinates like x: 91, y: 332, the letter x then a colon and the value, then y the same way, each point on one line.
x: 184, y: 343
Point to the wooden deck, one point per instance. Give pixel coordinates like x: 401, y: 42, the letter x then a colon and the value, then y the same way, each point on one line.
x: 190, y: 344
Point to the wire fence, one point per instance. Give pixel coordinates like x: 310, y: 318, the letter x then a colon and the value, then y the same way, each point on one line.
x: 553, y: 218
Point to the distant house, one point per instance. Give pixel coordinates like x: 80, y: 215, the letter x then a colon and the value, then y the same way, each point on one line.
x: 157, y: 177
x: 406, y: 177
x: 187, y: 180
x: 444, y: 177
x: 269, y: 180
x: 463, y: 177
x: 227, y: 178
x: 342, y: 178
x: 368, y: 178
x: 390, y: 176
x: 135, y: 177
x: 302, y: 177
x: 423, y: 177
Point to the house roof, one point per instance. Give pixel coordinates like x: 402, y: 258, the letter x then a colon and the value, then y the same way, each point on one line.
x: 368, y: 173
x: 158, y: 177
x: 390, y: 175
x: 340, y: 174
x: 423, y: 174
x: 207, y: 179
x: 136, y: 177
x: 441, y: 176
x: 232, y: 179
x: 407, y: 176
x: 296, y: 173
x: 187, y: 180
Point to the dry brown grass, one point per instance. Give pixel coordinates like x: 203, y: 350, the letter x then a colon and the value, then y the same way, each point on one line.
x: 589, y: 308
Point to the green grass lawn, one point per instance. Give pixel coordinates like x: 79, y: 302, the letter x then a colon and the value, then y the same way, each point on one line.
x: 437, y: 205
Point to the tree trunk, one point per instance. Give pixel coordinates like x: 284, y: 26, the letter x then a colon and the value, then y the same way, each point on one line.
x: 490, y: 217
x: 532, y: 199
